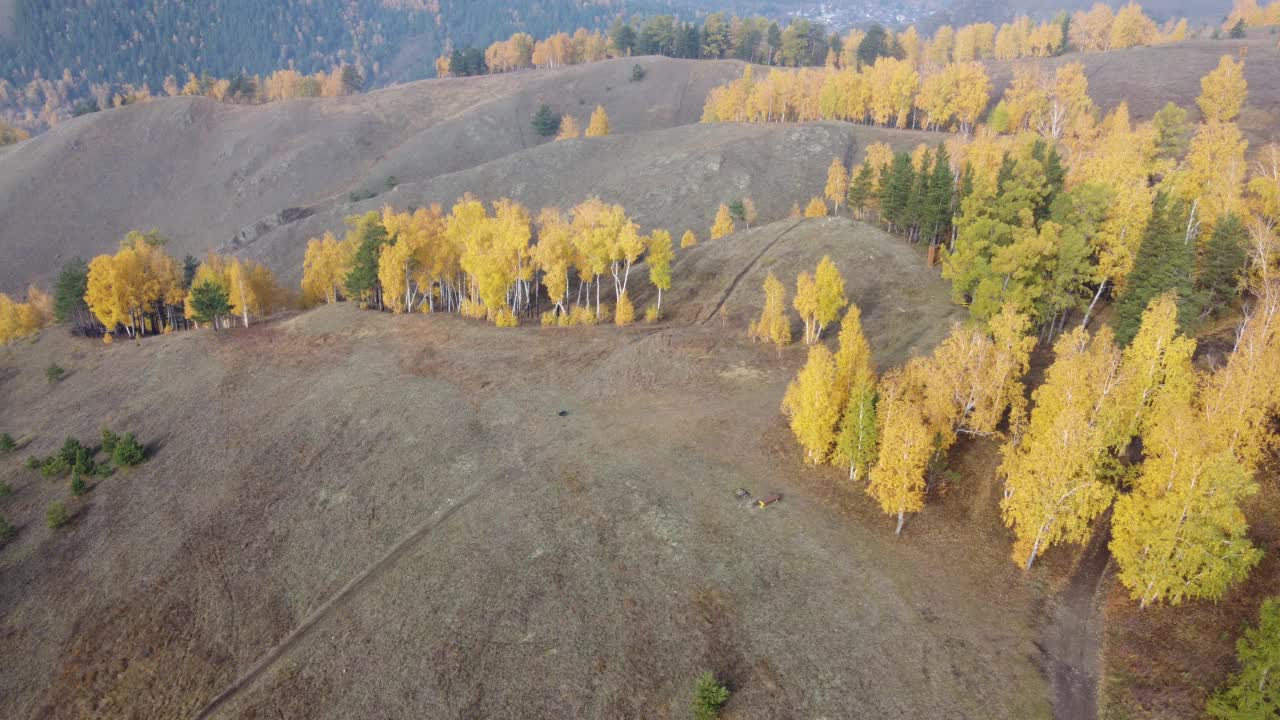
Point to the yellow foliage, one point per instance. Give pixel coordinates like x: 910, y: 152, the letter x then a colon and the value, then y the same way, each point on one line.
x: 812, y: 406
x: 1054, y: 482
x: 688, y: 240
x: 568, y: 128
x: 723, y: 224
x: 773, y: 325
x: 837, y: 183
x: 599, y: 125
x: 625, y: 314
x: 815, y: 209
x: 1223, y: 91
x: 897, y: 480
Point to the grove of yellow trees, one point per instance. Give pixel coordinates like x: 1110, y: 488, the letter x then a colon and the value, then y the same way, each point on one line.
x: 490, y: 262
x: 20, y: 319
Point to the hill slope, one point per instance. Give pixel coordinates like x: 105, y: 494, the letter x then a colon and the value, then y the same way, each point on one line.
x: 356, y: 514
x: 200, y: 171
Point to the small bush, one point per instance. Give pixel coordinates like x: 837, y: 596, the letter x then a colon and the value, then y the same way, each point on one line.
x: 105, y: 469
x: 77, y: 485
x: 361, y: 195
x: 651, y: 314
x: 56, y: 516
x: 548, y: 318
x: 33, y: 462
x: 637, y: 73
x: 54, y: 466
x: 72, y: 451
x: 109, y: 440
x: 504, y: 318
x: 392, y: 181
x: 5, y: 489
x: 582, y: 315
x: 625, y: 314
x: 54, y: 373
x: 128, y: 451
x: 7, y: 531
x: 6, y: 443
x: 708, y: 697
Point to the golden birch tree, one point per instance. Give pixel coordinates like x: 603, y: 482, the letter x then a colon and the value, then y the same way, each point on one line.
x: 811, y: 405
x: 1055, y: 483
x: 599, y: 124
x: 723, y: 224
x: 897, y: 480
x: 837, y: 183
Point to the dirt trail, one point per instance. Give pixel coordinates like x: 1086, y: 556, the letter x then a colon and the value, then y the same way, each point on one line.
x: 340, y: 599
x: 1073, y: 637
x: 746, y: 269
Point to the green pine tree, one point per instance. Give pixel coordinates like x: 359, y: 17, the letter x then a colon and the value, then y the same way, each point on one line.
x: 210, y: 301
x: 941, y: 192
x: 895, y: 197
x: 1165, y: 262
x: 362, y: 280
x: 68, y: 293
x: 1222, y: 264
x: 546, y: 122
x: 860, y: 190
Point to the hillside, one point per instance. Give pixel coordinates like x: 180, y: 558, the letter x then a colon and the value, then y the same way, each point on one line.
x: 201, y: 171
x: 223, y: 176
x: 355, y: 514
x: 1148, y: 77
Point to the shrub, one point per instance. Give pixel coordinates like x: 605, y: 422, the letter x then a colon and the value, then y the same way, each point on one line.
x: 708, y: 696
x: 6, y: 443
x: 33, y: 462
x: 7, y: 531
x: 128, y: 451
x: 637, y: 73
x: 582, y: 315
x: 505, y: 318
x: 625, y: 314
x: 56, y: 516
x: 109, y: 440
x: 547, y: 318
x: 1251, y: 692
x: 54, y: 373
x: 104, y: 470
x: 77, y: 485
x: 54, y: 466
x: 651, y: 314
x: 5, y: 489
x: 356, y: 196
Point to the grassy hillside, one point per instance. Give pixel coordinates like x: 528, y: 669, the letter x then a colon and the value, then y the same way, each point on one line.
x: 1148, y: 77
x: 201, y: 171
x: 432, y: 517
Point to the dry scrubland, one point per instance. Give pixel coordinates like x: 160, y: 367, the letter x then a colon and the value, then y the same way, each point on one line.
x: 579, y: 566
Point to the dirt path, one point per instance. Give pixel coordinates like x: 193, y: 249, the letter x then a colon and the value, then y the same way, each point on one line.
x: 340, y: 599
x: 1073, y: 637
x: 746, y: 269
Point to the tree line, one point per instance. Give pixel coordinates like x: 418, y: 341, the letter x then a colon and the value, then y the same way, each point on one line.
x: 1073, y: 210
x: 1165, y: 219
x: 62, y: 52
x: 1178, y: 532
x: 491, y: 262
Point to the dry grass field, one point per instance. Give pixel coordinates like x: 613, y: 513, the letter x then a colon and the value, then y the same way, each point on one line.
x: 422, y: 516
